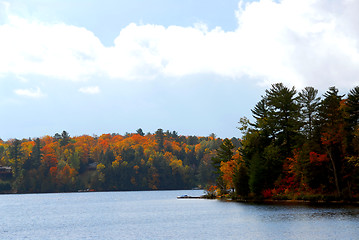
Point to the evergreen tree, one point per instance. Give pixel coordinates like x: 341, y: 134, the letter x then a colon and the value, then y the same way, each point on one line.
x: 160, y: 139
x: 352, y: 120
x: 331, y: 126
x: 140, y: 132
x: 65, y: 138
x: 309, y: 103
x: 241, y: 180
x: 224, y: 153
x: 15, y: 153
x: 257, y: 173
x: 283, y: 116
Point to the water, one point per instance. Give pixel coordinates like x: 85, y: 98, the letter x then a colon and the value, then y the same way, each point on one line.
x: 159, y: 215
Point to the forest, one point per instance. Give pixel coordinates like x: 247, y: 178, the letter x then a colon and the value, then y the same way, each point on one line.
x: 298, y: 146
x: 135, y: 161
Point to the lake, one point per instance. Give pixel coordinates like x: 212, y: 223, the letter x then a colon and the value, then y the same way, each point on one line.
x: 160, y: 215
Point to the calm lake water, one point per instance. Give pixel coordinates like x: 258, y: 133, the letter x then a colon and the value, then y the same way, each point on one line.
x: 159, y: 215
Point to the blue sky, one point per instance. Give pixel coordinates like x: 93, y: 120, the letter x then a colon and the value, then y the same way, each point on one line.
x: 196, y: 67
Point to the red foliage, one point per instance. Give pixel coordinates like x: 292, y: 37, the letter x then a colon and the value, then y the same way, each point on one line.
x: 317, y: 159
x: 267, y: 193
x: 50, y: 160
x: 53, y: 171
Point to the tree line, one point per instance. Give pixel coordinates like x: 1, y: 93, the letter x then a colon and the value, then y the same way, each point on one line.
x: 299, y: 146
x: 135, y: 161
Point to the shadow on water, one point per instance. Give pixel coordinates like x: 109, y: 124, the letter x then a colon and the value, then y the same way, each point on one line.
x: 289, y: 211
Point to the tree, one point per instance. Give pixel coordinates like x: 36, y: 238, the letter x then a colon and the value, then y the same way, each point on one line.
x: 353, y: 106
x: 257, y: 174
x: 331, y: 122
x: 140, y: 132
x: 65, y: 138
x: 15, y: 154
x: 283, y: 116
x: 240, y: 175
x: 224, y: 155
x: 110, y: 162
x: 159, y: 138
x: 274, y: 136
x: 309, y: 103
x: 352, y: 120
x: 228, y: 170
x: 260, y: 112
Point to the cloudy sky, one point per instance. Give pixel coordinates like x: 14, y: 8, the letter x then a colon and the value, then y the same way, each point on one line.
x: 196, y: 67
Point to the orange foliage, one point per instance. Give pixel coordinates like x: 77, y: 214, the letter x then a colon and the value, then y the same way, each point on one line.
x: 47, y: 140
x: 198, y: 147
x: 168, y: 156
x: 50, y: 148
x: 103, y: 144
x: 176, y: 147
x: 140, y: 155
x: 83, y: 145
x: 228, y: 170
x: 138, y: 139
x: 66, y: 175
x: 117, y: 138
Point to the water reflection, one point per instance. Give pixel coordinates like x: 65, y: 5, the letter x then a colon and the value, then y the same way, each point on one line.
x: 265, y: 221
x: 160, y: 215
x: 275, y: 212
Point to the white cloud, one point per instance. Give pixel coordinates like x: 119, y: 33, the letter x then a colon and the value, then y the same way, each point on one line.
x: 307, y: 42
x: 32, y: 93
x: 90, y: 90
x: 53, y: 50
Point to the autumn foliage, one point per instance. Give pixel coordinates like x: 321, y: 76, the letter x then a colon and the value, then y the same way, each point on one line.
x: 302, y: 146
x: 134, y: 161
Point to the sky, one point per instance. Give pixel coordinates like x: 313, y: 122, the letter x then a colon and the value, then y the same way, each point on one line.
x: 195, y: 67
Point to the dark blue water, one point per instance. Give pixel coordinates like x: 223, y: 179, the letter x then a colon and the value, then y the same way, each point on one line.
x: 159, y: 215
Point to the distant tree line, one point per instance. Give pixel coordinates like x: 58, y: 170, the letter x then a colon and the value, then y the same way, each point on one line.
x: 299, y: 146
x: 135, y: 161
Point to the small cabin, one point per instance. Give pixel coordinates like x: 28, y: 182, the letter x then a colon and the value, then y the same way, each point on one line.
x: 4, y: 169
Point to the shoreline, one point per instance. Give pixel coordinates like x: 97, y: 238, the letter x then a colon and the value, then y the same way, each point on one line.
x: 294, y: 202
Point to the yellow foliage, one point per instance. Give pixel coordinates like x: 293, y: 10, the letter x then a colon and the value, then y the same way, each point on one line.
x: 100, y: 167
x: 27, y: 148
x: 115, y: 164
x: 124, y: 164
x: 176, y: 165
